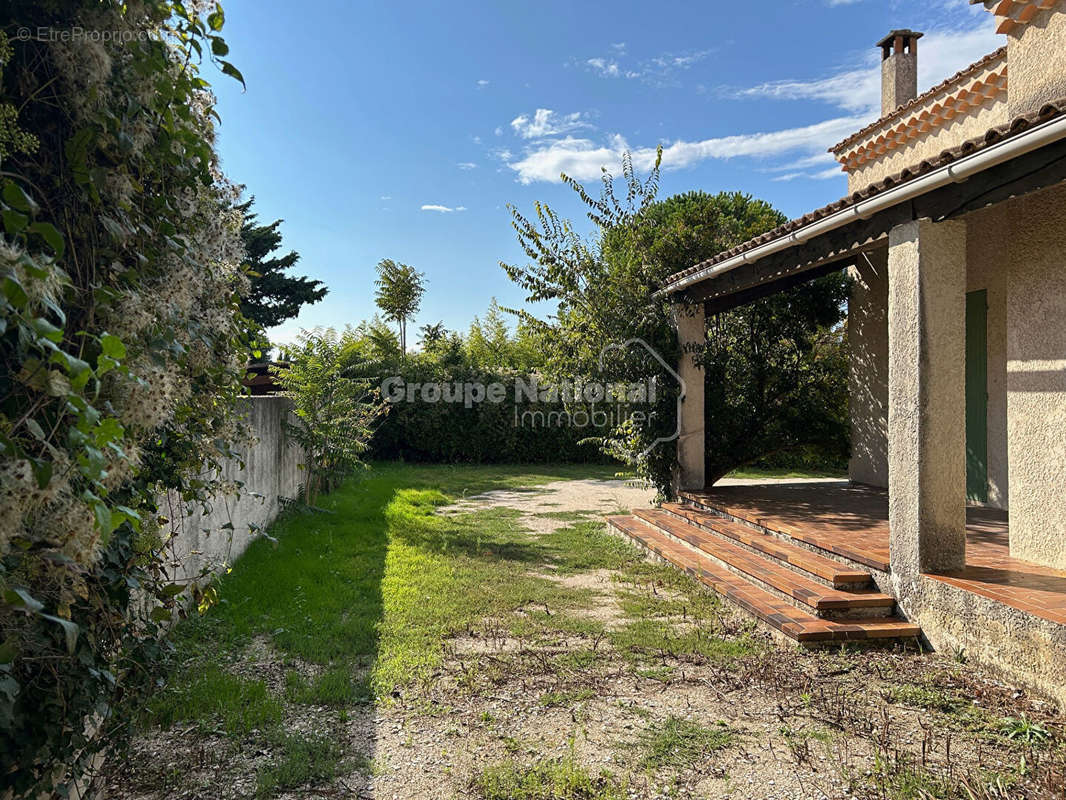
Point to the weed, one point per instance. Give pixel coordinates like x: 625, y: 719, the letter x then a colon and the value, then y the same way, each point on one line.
x: 560, y: 779
x: 799, y: 741
x: 334, y: 688
x: 676, y: 742
x: 643, y: 639
x: 663, y: 674
x: 567, y: 516
x: 300, y: 760
x: 1022, y: 729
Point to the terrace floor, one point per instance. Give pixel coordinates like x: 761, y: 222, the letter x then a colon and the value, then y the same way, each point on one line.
x: 851, y: 521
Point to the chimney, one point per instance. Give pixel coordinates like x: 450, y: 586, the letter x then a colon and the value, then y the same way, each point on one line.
x: 899, y: 69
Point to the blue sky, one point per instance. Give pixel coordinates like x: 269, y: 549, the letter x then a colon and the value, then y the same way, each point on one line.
x: 403, y: 129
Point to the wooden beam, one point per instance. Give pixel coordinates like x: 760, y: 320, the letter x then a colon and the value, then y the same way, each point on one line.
x: 751, y: 294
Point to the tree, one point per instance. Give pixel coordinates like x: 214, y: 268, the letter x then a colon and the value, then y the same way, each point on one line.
x: 335, y: 408
x: 274, y: 296
x: 775, y: 369
x: 399, y: 295
x: 432, y: 335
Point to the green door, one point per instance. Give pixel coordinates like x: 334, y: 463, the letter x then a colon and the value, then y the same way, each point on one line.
x: 977, y: 396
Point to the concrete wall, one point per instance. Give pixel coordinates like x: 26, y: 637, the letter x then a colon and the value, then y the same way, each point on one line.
x: 868, y: 372
x: 1026, y: 649
x: 271, y: 471
x: 1036, y: 374
x: 986, y: 257
x: 1036, y: 53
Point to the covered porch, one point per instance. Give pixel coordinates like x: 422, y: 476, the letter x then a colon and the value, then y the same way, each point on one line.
x: 957, y: 343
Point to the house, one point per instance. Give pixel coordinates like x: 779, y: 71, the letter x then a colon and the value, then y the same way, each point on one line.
x: 952, y: 527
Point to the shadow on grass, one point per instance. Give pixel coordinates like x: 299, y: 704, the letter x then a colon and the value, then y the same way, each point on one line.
x: 344, y: 610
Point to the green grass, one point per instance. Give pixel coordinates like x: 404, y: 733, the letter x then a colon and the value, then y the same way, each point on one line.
x: 753, y: 473
x: 380, y: 581
x: 676, y: 742
x: 359, y: 601
x: 560, y: 779
x: 216, y: 698
x: 648, y: 639
x: 299, y: 760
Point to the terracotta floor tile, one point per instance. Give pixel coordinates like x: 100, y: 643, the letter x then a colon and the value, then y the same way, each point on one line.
x: 852, y: 521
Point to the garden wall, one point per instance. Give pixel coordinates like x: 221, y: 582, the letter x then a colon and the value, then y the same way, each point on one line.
x: 271, y: 470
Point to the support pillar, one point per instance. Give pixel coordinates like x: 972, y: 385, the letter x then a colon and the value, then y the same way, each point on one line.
x: 692, y: 335
x: 926, y: 397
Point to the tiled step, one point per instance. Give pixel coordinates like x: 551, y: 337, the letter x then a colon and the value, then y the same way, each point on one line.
x: 773, y: 611
x: 772, y: 575
x: 806, y: 536
x: 833, y: 573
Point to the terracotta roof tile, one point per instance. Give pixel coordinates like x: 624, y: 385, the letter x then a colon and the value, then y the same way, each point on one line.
x: 1012, y: 13
x: 991, y: 136
x: 987, y: 87
x: 902, y: 111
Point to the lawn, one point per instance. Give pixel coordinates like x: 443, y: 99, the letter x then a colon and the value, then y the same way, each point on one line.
x: 409, y: 641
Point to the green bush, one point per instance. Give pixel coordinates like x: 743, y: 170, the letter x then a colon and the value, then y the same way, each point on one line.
x: 121, y: 356
x: 483, y: 433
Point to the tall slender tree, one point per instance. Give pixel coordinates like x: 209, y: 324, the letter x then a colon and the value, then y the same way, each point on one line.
x: 399, y: 295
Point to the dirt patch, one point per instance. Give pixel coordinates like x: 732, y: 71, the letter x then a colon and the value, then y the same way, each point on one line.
x: 559, y: 504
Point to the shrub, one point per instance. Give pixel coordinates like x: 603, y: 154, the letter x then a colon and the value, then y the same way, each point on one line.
x: 120, y: 354
x: 334, y: 410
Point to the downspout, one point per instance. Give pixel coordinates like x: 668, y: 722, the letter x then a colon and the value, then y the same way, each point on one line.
x: 956, y: 172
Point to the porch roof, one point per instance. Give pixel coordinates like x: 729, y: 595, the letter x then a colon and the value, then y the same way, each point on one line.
x: 1021, y: 156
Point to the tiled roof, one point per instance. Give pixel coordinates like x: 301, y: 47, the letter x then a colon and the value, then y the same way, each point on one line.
x: 987, y: 85
x: 1012, y: 13
x: 903, y: 110
x: 997, y: 134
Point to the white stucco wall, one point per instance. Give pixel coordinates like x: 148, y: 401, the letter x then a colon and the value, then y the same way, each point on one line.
x: 1036, y: 53
x: 1036, y: 374
x: 271, y: 470
x: 926, y: 402
x: 868, y: 369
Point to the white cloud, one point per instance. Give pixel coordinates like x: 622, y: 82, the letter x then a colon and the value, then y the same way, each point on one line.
x: 656, y: 71
x: 605, y: 67
x: 386, y: 197
x: 583, y: 159
x: 481, y: 84
x: 499, y: 130
x: 546, y: 122
x: 857, y: 87
x: 842, y: 2
x: 822, y: 175
x: 442, y: 209
x: 466, y: 165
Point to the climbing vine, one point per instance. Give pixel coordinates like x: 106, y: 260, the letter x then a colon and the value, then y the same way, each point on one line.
x: 120, y: 354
